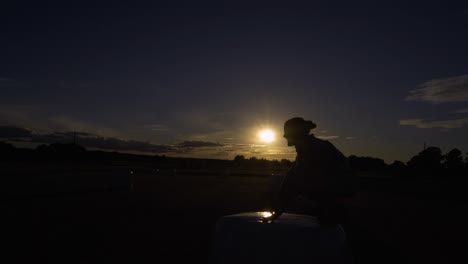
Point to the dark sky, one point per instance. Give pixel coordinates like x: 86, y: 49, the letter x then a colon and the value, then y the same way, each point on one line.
x: 201, y: 79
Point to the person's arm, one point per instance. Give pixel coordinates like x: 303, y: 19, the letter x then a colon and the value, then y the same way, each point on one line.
x: 278, y: 208
x: 281, y: 200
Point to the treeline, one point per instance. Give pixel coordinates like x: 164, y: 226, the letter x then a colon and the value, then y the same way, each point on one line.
x: 70, y: 152
x: 253, y: 162
x: 430, y: 162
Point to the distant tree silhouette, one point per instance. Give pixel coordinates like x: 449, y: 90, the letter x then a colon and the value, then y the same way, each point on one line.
x: 427, y: 163
x: 254, y: 162
x: 397, y: 164
x: 264, y: 163
x: 398, y: 168
x: 453, y: 162
x: 285, y: 163
x: 366, y: 163
x: 63, y: 148
x: 61, y: 151
x: 453, y: 159
x: 251, y: 162
x: 41, y: 148
x: 275, y: 164
x: 6, y: 147
x: 6, y: 151
x: 239, y: 160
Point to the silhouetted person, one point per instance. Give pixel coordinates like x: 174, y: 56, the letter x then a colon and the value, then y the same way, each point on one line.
x: 318, y: 179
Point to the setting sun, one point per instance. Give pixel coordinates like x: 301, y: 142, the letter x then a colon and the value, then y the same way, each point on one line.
x: 266, y: 136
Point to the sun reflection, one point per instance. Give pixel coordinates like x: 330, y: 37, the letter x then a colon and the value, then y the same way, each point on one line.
x: 266, y: 214
x: 265, y: 217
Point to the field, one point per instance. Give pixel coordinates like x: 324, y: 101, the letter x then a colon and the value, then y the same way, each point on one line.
x: 95, y: 213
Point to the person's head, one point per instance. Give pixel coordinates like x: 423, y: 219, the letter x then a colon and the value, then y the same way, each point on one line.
x: 297, y: 129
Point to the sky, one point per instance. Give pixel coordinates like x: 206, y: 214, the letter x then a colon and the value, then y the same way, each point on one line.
x: 201, y: 79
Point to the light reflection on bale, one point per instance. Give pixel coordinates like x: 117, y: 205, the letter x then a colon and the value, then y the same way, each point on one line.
x: 292, y: 238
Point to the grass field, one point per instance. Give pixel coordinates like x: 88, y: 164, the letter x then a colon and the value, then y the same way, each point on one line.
x: 86, y: 214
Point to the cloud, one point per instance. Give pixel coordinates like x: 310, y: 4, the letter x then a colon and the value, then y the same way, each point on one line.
x: 421, y: 123
x: 79, y: 134
x: 453, y: 89
x: 17, y: 115
x: 158, y: 128
x: 65, y: 123
x: 328, y: 137
x: 14, y: 132
x: 85, y: 139
x: 35, y: 117
x: 3, y: 79
x: 123, y: 145
x: 202, y: 149
x: 462, y: 111
x: 350, y: 138
x: 198, y: 144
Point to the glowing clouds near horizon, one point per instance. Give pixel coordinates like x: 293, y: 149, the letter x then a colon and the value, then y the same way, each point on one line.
x: 266, y: 136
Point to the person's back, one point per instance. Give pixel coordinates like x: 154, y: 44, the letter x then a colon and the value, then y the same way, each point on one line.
x: 319, y: 177
x: 321, y: 168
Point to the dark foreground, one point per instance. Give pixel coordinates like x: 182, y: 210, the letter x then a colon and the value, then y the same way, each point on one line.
x: 170, y: 217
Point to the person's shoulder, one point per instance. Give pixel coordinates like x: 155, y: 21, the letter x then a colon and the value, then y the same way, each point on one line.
x: 321, y: 142
x: 327, y: 146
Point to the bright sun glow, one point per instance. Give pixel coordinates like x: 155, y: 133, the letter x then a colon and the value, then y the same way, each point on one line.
x: 266, y: 135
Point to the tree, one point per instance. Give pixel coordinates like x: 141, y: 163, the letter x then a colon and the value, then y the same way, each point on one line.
x: 6, y: 151
x: 397, y: 166
x: 398, y: 169
x: 366, y: 163
x: 239, y: 160
x: 285, y: 163
x: 6, y: 147
x: 453, y: 160
x: 61, y: 151
x: 427, y: 162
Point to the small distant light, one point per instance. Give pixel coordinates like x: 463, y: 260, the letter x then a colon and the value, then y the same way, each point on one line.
x: 131, y: 172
